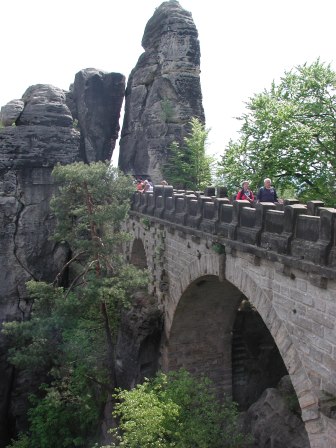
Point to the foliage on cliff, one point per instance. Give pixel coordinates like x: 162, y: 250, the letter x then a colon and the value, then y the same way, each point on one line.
x: 188, y: 166
x: 69, y: 340
x: 176, y: 410
x: 289, y: 134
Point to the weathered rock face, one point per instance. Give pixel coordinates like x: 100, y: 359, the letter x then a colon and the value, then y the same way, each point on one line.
x: 273, y: 420
x: 41, y: 138
x: 163, y: 91
x: 45, y: 105
x: 39, y: 132
x: 137, y: 349
x: 11, y: 112
x: 138, y: 343
x: 95, y: 100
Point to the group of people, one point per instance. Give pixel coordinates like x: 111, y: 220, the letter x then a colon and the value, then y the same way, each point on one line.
x: 267, y: 193
x: 144, y: 185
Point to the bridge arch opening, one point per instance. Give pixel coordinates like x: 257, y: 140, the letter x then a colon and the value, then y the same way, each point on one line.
x: 217, y: 332
x: 201, y: 332
x: 138, y: 254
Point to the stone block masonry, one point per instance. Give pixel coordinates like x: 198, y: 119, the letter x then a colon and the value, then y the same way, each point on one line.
x: 211, y: 253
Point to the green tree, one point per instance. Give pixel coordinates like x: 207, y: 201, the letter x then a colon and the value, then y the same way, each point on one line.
x: 176, y: 410
x: 69, y: 339
x: 188, y: 166
x: 289, y: 134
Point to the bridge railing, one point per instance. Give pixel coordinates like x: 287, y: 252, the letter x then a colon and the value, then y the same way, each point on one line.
x: 305, y: 231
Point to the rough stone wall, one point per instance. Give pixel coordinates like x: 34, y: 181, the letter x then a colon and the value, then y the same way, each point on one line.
x: 174, y: 262
x: 163, y: 91
x: 290, y: 306
x: 297, y: 309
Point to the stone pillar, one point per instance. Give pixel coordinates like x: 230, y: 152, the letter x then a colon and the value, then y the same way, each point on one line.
x: 237, y: 206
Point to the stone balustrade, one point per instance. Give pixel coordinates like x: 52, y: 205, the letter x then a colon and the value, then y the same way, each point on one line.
x: 303, y: 232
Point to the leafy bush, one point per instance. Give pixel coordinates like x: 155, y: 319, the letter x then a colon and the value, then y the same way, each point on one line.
x: 66, y: 417
x: 21, y: 442
x: 218, y: 248
x: 146, y: 223
x: 176, y: 410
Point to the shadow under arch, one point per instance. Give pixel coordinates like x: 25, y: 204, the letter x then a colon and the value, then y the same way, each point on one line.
x: 138, y: 255
x: 201, y: 332
x: 216, y: 332
x: 262, y: 302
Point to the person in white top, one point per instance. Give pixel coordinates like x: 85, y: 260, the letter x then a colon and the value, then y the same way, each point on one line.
x: 148, y: 186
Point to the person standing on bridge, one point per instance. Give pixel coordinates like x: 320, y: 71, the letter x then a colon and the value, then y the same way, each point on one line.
x: 267, y: 193
x: 245, y: 193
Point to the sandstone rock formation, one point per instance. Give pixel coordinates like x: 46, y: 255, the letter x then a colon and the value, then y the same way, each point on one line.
x: 40, y: 131
x: 137, y: 349
x: 95, y: 100
x: 45, y: 105
x: 274, y: 420
x: 11, y: 112
x: 138, y: 342
x: 163, y: 91
x: 43, y: 136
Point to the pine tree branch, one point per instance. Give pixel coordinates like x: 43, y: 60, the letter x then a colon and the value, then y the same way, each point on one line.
x: 66, y: 266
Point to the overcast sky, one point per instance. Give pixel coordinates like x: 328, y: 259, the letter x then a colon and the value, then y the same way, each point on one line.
x: 245, y: 45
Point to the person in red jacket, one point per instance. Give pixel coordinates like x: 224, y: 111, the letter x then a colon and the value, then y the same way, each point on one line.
x: 140, y: 185
x: 245, y: 193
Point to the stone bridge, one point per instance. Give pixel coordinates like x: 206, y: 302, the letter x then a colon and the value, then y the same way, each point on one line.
x: 208, y: 258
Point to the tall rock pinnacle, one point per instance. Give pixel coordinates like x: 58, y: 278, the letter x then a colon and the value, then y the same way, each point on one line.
x: 163, y: 91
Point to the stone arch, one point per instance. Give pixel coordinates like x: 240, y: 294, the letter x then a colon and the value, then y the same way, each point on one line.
x: 201, y: 332
x: 208, y: 264
x: 315, y: 423
x: 212, y: 266
x: 138, y: 256
x: 262, y: 301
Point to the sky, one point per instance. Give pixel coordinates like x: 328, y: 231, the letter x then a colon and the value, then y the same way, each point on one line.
x: 245, y: 45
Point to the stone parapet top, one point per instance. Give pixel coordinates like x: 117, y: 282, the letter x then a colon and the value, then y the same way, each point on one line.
x: 293, y: 233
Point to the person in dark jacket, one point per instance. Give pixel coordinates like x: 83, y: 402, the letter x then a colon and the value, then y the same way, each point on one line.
x: 245, y: 193
x: 267, y: 193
